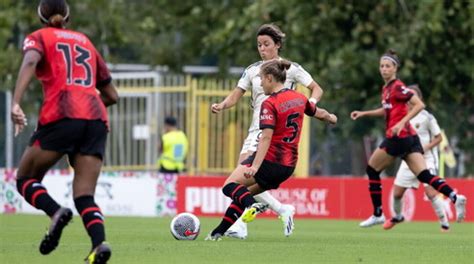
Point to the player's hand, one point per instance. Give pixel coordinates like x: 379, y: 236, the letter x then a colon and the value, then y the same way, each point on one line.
x: 397, y: 129
x: 332, y: 119
x: 18, y: 118
x: 356, y: 114
x: 250, y: 172
x: 216, y: 108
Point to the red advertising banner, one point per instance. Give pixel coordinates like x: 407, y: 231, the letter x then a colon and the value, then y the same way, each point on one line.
x: 321, y: 197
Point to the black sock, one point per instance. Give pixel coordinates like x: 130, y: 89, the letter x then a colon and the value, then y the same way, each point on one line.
x: 439, y: 184
x: 234, y: 211
x: 35, y: 194
x: 239, y: 194
x: 92, y: 218
x: 375, y: 189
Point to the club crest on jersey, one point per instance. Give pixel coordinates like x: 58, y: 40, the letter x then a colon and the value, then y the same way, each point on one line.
x: 28, y: 43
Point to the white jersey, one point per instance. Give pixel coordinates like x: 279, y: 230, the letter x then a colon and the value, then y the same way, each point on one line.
x: 426, y: 127
x: 251, y: 80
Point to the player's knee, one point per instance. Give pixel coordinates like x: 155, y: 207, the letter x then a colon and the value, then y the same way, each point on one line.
x: 425, y: 176
x: 372, y: 173
x: 229, y: 188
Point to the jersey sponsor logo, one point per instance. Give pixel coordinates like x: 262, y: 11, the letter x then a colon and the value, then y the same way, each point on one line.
x: 28, y: 43
x: 266, y: 117
x: 386, y: 105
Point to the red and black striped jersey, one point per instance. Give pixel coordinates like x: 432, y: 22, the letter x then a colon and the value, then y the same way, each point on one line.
x: 395, y: 97
x: 283, y: 112
x: 70, y: 70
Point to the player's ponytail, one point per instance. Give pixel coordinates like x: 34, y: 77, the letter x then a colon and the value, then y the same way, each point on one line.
x: 54, y: 13
x: 277, y: 68
x: 56, y: 21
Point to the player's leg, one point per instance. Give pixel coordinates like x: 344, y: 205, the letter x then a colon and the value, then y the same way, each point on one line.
x: 47, y: 146
x: 235, y: 187
x: 87, y: 162
x: 377, y: 163
x: 87, y: 170
x: 417, y: 165
x: 398, y: 192
x: 438, y: 207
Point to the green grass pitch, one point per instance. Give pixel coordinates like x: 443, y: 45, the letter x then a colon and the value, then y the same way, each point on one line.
x: 148, y: 240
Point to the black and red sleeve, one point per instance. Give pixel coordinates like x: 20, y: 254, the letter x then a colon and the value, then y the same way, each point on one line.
x: 103, y: 73
x: 268, y: 115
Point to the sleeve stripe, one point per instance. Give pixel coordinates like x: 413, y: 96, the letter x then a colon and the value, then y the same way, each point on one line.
x: 103, y: 83
x: 263, y: 126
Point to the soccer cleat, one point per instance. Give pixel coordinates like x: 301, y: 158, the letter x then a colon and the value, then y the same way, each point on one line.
x: 51, y: 240
x: 215, y: 237
x: 237, y: 230
x: 373, y: 220
x: 100, y: 254
x: 444, y: 228
x: 392, y: 222
x: 460, y: 205
x: 287, y: 219
x: 252, y: 212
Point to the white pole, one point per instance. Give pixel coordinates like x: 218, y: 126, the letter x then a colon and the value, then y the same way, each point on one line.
x: 8, y: 132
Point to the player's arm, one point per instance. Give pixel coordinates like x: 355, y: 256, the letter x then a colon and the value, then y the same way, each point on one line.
x: 108, y: 94
x: 417, y: 106
x: 435, y: 141
x: 27, y: 70
x: 316, y: 92
x: 229, y: 101
x: 374, y: 112
x: 323, y: 115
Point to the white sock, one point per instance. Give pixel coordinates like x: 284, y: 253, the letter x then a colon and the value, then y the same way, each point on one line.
x: 438, y: 207
x: 397, y: 207
x: 267, y: 198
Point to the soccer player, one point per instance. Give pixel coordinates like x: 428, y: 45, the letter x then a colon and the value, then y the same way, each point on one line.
x: 400, y: 140
x: 429, y: 132
x: 73, y: 120
x: 281, y: 120
x: 269, y: 43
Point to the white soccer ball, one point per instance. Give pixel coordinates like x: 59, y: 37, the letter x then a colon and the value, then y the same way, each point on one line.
x: 185, y: 226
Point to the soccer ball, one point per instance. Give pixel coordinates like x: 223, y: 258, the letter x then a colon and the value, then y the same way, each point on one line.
x: 185, y: 226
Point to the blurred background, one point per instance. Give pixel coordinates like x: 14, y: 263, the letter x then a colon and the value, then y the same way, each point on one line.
x: 177, y: 58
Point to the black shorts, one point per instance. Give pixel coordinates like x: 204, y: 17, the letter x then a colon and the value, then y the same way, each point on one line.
x: 270, y: 175
x: 72, y: 136
x: 401, y: 147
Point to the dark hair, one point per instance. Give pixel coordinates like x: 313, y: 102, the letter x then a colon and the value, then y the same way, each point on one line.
x: 277, y: 68
x: 274, y: 32
x: 54, y: 13
x: 417, y: 90
x: 170, y: 121
x: 392, y: 56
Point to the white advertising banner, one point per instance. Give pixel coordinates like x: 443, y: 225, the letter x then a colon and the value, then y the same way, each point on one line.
x: 117, y: 193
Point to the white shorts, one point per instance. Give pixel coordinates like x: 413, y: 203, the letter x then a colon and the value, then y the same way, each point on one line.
x: 251, y: 142
x: 405, y: 177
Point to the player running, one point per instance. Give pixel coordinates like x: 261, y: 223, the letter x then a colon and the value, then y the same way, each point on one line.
x: 429, y: 133
x: 400, y: 140
x: 281, y: 120
x: 269, y: 43
x: 73, y: 120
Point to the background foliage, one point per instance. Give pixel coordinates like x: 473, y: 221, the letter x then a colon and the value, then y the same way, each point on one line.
x: 338, y: 42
